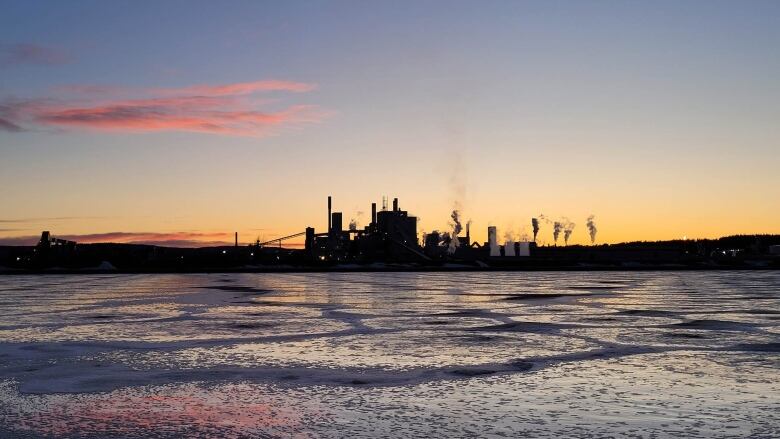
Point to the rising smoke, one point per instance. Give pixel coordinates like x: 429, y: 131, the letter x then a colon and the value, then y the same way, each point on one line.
x: 568, y: 228
x: 557, y: 227
x: 354, y: 223
x: 509, y: 236
x: 535, y: 225
x: 457, y: 227
x: 592, y: 228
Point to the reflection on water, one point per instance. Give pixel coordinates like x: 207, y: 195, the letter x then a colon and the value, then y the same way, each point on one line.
x: 225, y: 411
x: 391, y: 354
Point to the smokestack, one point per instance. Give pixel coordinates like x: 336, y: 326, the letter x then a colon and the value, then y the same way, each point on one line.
x: 468, y: 232
x: 236, y: 239
x: 336, y: 222
x: 373, y: 213
x: 395, y: 204
x: 330, y: 223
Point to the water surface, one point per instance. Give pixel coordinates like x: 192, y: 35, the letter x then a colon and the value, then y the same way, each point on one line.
x: 631, y: 354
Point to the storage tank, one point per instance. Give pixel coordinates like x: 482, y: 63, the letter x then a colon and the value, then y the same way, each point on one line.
x: 509, y: 248
x: 524, y: 249
x: 493, y: 242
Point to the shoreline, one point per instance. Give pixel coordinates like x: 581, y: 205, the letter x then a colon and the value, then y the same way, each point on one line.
x: 384, y: 270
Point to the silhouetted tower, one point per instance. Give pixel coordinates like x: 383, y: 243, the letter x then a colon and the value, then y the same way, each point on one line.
x: 373, y: 213
x: 330, y: 224
x: 336, y: 223
x: 236, y: 239
x: 309, y: 238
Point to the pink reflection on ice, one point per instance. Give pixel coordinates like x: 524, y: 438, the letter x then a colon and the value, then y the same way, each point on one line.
x: 227, y: 411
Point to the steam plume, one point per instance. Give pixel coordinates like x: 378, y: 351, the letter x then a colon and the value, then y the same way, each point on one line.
x: 354, y: 223
x: 457, y: 227
x: 568, y: 228
x: 535, y: 225
x: 557, y: 227
x: 508, y: 235
x: 592, y: 228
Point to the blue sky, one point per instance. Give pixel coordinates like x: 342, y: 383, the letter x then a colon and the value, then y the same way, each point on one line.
x: 507, y: 108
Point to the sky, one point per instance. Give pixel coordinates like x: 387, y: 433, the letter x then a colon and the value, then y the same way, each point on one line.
x: 183, y: 122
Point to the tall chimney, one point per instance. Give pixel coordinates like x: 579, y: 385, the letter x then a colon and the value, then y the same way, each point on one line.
x: 468, y: 233
x: 236, y: 239
x: 330, y: 224
x: 373, y: 213
x: 395, y: 204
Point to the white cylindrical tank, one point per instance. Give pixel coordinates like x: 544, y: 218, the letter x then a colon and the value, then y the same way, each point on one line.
x: 509, y: 248
x: 525, y: 249
x: 493, y: 242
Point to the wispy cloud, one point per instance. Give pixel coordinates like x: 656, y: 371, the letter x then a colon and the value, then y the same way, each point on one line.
x: 6, y: 125
x: 25, y: 53
x: 46, y: 219
x: 173, y: 239
x: 9, y: 111
x: 240, y: 88
x: 228, y: 109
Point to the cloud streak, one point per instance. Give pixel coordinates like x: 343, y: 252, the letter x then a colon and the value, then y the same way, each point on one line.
x: 25, y: 53
x: 46, y: 219
x: 6, y: 125
x: 173, y: 239
x: 240, y: 88
x: 227, y: 109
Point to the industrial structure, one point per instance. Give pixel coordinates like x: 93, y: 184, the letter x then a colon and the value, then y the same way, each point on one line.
x: 391, y: 241
x: 390, y: 236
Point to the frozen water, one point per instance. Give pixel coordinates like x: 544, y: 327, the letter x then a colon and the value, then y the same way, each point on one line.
x: 564, y: 354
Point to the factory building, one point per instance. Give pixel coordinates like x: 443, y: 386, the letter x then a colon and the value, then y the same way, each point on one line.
x: 510, y: 248
x: 391, y: 236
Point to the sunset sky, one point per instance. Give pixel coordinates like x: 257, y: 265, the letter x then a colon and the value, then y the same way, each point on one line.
x: 182, y: 121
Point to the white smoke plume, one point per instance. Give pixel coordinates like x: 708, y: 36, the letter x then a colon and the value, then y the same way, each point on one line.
x: 592, y: 228
x: 557, y: 228
x: 354, y: 222
x: 522, y: 235
x: 508, y: 235
x: 535, y: 225
x: 568, y: 228
x: 457, y: 227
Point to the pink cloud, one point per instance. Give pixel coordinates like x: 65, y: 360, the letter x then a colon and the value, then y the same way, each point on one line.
x: 228, y: 109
